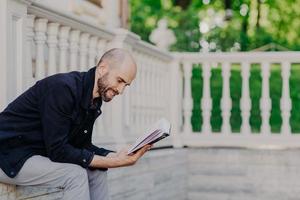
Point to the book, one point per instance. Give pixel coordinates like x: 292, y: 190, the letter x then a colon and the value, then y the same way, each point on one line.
x: 158, y: 131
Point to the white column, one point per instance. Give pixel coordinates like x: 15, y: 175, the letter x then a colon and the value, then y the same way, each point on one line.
x: 112, y: 10
x: 138, y: 99
x: 245, y: 103
x: 52, y: 44
x: 74, y: 39
x: 28, y: 75
x: 40, y: 28
x: 63, y: 46
x: 174, y: 103
x: 188, y: 101
x: 206, y: 102
x: 226, y: 100
x: 92, y: 51
x: 265, y: 102
x: 83, y: 51
x: 285, y: 101
x: 100, y: 48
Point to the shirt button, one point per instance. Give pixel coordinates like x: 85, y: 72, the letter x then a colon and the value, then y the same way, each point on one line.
x: 85, y: 131
x: 20, y: 136
x: 98, y: 111
x: 84, y: 160
x: 12, y: 173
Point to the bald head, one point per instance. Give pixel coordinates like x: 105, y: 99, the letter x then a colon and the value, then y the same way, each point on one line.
x: 115, y: 70
x: 118, y: 58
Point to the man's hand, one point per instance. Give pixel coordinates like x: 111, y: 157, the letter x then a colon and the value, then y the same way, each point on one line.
x: 131, y: 159
x: 119, y: 159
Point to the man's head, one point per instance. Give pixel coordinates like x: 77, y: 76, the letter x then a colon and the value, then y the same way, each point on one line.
x: 115, y: 70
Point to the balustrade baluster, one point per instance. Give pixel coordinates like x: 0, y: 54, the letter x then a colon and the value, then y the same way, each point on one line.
x: 74, y: 39
x: 245, y: 104
x: 285, y: 101
x: 265, y: 101
x: 226, y: 100
x: 206, y: 101
x: 52, y: 45
x: 40, y: 28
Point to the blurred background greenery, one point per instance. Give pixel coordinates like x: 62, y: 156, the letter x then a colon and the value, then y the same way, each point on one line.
x: 230, y: 25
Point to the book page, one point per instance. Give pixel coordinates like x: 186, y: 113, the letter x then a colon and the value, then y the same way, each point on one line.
x: 156, y: 131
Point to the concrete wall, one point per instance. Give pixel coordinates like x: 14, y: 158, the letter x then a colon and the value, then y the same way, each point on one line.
x: 161, y: 174
x: 235, y: 174
x: 197, y: 174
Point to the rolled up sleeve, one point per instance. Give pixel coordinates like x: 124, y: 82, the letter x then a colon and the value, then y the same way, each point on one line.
x: 99, y: 151
x: 56, y: 108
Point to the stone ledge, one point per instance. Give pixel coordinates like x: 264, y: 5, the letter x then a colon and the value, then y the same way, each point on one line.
x: 11, y: 192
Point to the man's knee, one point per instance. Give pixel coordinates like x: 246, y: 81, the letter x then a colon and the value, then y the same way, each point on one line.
x: 75, y: 174
x: 97, y: 174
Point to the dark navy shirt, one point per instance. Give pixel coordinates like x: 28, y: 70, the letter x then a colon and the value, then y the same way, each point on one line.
x: 53, y: 118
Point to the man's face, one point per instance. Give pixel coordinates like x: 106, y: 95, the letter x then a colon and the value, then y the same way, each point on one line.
x: 113, y: 83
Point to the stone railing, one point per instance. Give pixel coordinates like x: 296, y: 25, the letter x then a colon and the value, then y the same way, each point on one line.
x: 38, y: 41
x: 245, y: 60
x: 45, y: 42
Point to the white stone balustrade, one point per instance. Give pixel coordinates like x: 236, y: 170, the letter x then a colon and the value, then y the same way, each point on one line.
x: 245, y: 138
x: 59, y: 43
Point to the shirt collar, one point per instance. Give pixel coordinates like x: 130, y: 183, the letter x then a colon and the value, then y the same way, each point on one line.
x: 88, y: 85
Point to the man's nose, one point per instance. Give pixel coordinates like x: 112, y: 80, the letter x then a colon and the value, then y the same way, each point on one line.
x: 121, y: 89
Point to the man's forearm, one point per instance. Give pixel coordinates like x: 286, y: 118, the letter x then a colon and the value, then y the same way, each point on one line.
x: 105, y: 162
x: 120, y: 159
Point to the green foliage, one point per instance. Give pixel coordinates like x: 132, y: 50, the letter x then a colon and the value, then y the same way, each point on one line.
x: 278, y: 22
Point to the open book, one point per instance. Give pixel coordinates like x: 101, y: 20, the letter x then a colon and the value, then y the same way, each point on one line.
x: 158, y: 131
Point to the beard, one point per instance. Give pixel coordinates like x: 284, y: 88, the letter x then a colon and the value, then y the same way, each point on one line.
x: 105, y: 92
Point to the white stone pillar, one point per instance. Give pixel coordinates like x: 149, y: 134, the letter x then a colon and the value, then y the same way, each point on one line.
x: 92, y: 51
x: 13, y: 19
x: 100, y: 48
x: 226, y: 100
x: 63, y: 46
x: 112, y: 10
x: 265, y: 102
x: 188, y: 101
x: 74, y: 39
x: 83, y: 49
x: 245, y: 103
x: 138, y: 98
x: 206, y: 101
x: 40, y: 28
x: 52, y: 44
x: 175, y: 103
x: 3, y: 53
x: 285, y: 101
x: 28, y: 74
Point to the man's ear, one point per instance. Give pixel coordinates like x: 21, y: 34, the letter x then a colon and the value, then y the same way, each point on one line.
x: 103, y: 68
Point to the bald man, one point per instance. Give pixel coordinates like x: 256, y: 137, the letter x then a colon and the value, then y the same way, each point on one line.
x: 45, y: 134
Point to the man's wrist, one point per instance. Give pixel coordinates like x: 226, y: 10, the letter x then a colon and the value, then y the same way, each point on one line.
x: 105, y: 162
x: 111, y: 154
